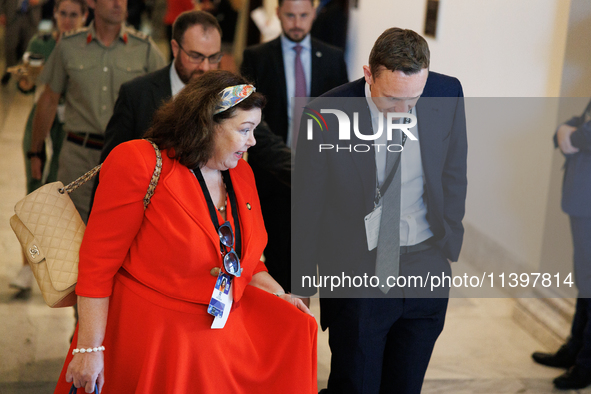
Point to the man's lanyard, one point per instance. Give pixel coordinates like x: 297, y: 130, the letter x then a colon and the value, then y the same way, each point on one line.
x: 213, y: 211
x: 587, y: 114
x: 381, y: 191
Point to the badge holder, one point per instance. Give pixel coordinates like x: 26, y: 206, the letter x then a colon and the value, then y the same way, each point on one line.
x: 221, y: 300
x: 222, y: 297
x: 373, y: 219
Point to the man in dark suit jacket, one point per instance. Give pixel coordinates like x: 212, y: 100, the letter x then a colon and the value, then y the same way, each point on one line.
x: 21, y: 19
x: 381, y: 343
x: 574, y: 140
x: 272, y: 67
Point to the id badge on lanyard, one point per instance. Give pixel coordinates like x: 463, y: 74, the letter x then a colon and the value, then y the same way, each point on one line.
x: 221, y: 300
x: 222, y: 297
x: 374, y: 218
x: 372, y: 227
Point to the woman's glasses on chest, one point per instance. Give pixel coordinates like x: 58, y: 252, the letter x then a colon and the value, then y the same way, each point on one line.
x: 231, y: 260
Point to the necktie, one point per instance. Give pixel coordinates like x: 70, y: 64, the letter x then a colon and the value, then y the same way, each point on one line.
x: 300, y: 91
x: 300, y: 77
x: 388, y: 250
x: 587, y: 113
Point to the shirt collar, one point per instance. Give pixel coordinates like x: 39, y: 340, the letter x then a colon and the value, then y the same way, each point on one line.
x: 287, y: 43
x: 123, y: 36
x: 176, y: 85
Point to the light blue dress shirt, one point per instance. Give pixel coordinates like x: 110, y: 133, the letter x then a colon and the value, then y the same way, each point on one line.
x: 414, y: 227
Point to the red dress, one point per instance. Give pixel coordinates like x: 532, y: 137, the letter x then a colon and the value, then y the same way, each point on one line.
x: 154, y: 266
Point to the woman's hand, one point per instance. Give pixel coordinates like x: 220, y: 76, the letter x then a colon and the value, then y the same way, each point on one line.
x: 264, y: 281
x: 297, y: 302
x: 85, y: 370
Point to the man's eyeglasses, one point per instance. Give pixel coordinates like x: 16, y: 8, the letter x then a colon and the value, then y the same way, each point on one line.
x: 198, y: 58
x: 231, y: 260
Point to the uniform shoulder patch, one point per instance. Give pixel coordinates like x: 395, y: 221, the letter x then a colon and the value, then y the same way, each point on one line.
x: 136, y: 34
x: 73, y: 33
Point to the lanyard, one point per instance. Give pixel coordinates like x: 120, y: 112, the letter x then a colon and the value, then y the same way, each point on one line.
x: 587, y: 114
x: 388, y: 181
x: 213, y: 211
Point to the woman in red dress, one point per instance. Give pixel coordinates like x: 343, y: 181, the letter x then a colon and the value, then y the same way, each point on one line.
x: 146, y: 278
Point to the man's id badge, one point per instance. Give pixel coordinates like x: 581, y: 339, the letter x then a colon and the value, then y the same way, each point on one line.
x: 372, y: 227
x: 221, y: 300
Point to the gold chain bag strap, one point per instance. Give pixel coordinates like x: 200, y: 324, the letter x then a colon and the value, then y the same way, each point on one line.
x: 50, y: 231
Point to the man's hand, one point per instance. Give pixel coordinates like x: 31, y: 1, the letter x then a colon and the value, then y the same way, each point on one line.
x: 563, y: 137
x: 44, y: 116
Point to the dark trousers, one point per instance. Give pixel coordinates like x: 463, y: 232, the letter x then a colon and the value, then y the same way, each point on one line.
x: 383, y: 345
x: 276, y: 208
x: 580, y: 340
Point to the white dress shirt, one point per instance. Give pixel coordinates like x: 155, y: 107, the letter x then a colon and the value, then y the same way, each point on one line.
x: 176, y: 84
x: 414, y: 227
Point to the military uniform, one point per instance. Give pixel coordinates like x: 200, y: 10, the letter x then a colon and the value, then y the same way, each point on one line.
x: 89, y: 75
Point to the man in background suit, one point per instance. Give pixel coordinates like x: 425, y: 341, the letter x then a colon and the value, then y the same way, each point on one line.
x: 574, y: 140
x: 21, y: 18
x: 381, y: 337
x: 273, y: 67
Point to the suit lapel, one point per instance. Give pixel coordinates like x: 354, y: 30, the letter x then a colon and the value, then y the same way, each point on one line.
x: 363, y: 162
x: 429, y: 137
x: 244, y: 194
x: 316, y: 57
x: 185, y: 190
x: 163, y: 90
x: 279, y: 79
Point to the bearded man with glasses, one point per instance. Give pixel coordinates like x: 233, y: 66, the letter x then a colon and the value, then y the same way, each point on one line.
x: 196, y: 47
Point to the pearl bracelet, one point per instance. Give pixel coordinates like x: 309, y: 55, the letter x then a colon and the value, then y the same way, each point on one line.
x: 89, y: 350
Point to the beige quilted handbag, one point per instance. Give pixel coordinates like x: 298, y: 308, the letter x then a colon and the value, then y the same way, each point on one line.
x: 50, y: 231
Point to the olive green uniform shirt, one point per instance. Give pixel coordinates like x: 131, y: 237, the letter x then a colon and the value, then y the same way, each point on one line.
x: 89, y: 74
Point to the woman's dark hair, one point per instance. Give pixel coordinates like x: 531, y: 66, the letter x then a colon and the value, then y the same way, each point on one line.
x: 186, y: 125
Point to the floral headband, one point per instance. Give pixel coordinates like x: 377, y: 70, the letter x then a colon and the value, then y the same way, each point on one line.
x: 232, y: 95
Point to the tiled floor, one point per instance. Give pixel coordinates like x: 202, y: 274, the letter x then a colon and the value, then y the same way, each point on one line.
x: 481, y: 349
